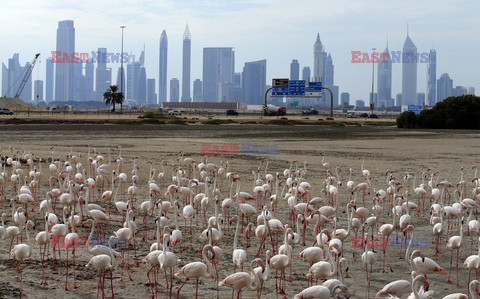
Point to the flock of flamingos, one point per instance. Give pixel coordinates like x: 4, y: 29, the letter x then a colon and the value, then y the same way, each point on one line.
x: 197, y: 206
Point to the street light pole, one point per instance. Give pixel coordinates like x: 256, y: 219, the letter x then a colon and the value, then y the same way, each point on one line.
x: 373, y: 76
x: 121, y: 67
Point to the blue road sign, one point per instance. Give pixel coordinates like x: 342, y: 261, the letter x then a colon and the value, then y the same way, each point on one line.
x: 296, y: 88
x: 314, y: 89
x: 280, y: 91
x: 415, y: 108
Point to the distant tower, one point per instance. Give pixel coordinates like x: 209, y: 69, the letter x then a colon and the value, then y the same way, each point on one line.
x: 49, y: 81
x: 187, y: 45
x: 103, y: 75
x: 384, y: 79
x: 218, y: 69
x: 431, y: 77
x: 319, y: 56
x: 306, y: 73
x: 444, y: 87
x: 294, y: 70
x: 253, y: 81
x: 174, y: 90
x: 162, y: 73
x: 197, y: 90
x: 65, y: 72
x: 409, y: 72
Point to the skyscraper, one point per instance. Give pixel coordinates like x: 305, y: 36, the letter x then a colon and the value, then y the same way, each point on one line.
x: 187, y: 45
x: 37, y: 91
x: 64, y: 71
x: 103, y: 75
x: 162, y: 69
x: 197, y: 90
x: 384, y: 79
x: 49, y: 81
x: 344, y: 99
x: 254, y: 80
x: 409, y: 72
x: 294, y: 70
x: 218, y: 68
x: 444, y: 87
x: 12, y: 78
x: 306, y: 73
x: 174, y: 90
x: 89, y: 80
x: 431, y: 77
x: 151, y: 96
x: 141, y: 86
x: 319, y: 56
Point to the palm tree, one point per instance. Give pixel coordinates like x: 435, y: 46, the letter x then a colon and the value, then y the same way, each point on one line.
x: 113, y: 97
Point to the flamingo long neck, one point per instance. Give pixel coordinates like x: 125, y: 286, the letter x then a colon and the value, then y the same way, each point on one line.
x: 175, y: 214
x: 461, y: 232
x: 65, y: 221
x: 406, y: 200
x: 207, y: 261
x: 407, y: 258
x: 89, y: 237
x: 414, y: 289
x: 349, y: 218
x: 235, y: 239
x: 158, y: 234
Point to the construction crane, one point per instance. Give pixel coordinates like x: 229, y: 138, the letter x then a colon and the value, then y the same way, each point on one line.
x: 27, y: 75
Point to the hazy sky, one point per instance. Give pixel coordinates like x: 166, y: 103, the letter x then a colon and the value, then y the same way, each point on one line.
x: 278, y: 31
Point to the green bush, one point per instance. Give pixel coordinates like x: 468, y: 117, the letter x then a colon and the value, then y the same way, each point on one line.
x: 453, y: 113
x: 407, y: 120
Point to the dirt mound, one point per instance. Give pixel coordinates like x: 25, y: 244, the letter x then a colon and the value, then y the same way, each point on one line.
x: 12, y: 103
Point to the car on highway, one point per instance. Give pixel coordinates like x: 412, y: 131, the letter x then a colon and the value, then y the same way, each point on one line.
x: 363, y: 115
x: 232, y: 112
x: 174, y: 112
x: 5, y: 111
x: 373, y: 116
x: 351, y: 115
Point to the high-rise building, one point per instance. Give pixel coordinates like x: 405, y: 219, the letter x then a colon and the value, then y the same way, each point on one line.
x: 459, y: 91
x: 151, y: 96
x: 344, y: 99
x: 471, y: 90
x: 384, y: 79
x: 174, y: 90
x: 409, y: 72
x: 359, y: 104
x: 12, y: 78
x: 103, y: 75
x: 294, y: 70
x: 197, y: 90
x: 37, y: 91
x: 328, y: 72
x: 162, y: 70
x: 187, y: 46
x: 142, y: 86
x: 444, y: 87
x: 306, y: 73
x: 254, y: 80
x: 421, y: 98
x: 398, y: 99
x: 218, y: 68
x: 49, y: 81
x: 89, y: 80
x: 319, y: 56
x: 431, y: 78
x: 64, y: 71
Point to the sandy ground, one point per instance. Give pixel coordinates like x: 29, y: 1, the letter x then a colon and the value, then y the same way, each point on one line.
x: 383, y: 148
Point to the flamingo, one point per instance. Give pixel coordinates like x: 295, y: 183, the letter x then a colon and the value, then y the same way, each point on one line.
x: 195, y: 270
x: 166, y: 260
x: 280, y: 262
x: 473, y: 262
x: 71, y: 241
x: 455, y: 243
x: 317, y: 292
x: 396, y: 288
x: 385, y: 231
x: 239, y: 280
x: 262, y: 272
x: 368, y: 258
x: 21, y: 252
x: 239, y: 255
x: 103, y: 262
x: 42, y: 240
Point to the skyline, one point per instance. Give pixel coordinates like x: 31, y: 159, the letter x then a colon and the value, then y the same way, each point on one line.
x: 282, y: 32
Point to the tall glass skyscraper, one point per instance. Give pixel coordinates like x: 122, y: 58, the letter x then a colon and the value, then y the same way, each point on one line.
x: 319, y: 56
x: 294, y: 70
x: 384, y: 79
x: 187, y: 48
x: 409, y: 72
x: 431, y: 77
x: 254, y: 80
x: 65, y: 72
x: 218, y: 68
x: 49, y: 81
x: 162, y: 69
